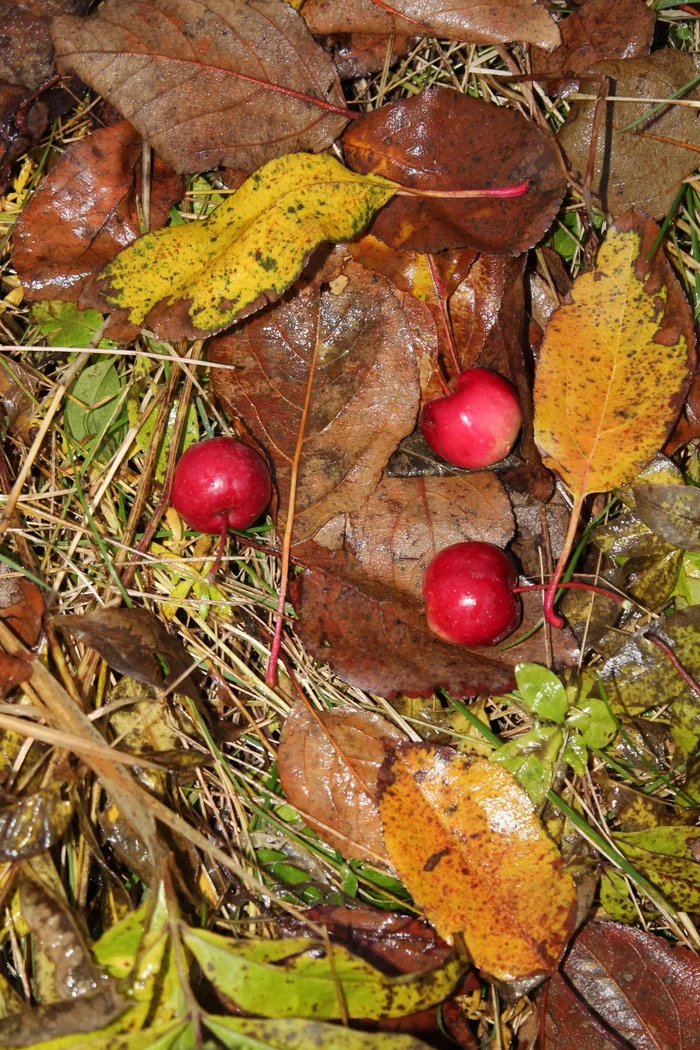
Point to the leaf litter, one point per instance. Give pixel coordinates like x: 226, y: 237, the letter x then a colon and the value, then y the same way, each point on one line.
x: 259, y: 804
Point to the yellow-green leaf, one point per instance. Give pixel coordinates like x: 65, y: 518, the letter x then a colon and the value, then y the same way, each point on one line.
x: 195, y: 279
x: 666, y: 856
x: 240, y: 1033
x: 284, y: 978
x: 615, y: 364
x: 466, y: 842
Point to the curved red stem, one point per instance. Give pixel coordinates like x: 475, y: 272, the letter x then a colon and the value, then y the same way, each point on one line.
x: 211, y: 575
x: 572, y: 585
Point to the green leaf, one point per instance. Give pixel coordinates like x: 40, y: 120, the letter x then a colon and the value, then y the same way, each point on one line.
x: 665, y: 856
x: 91, y: 403
x: 285, y: 979
x: 239, y: 1033
x: 541, y: 691
x: 615, y: 897
x: 593, y: 720
x: 63, y: 324
x: 116, y: 949
x: 530, y: 758
x: 195, y: 279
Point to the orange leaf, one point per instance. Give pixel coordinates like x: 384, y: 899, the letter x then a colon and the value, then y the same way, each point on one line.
x: 465, y: 840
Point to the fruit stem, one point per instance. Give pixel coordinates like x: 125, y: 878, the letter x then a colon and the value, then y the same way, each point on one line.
x: 212, y: 574
x: 552, y: 618
x: 572, y: 585
x: 441, y: 292
x: 497, y: 191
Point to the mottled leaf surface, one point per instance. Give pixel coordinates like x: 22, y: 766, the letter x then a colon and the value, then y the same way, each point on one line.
x: 622, y: 155
x: 595, y: 31
x: 443, y: 140
x: 672, y: 512
x: 466, y: 842
x: 614, y: 365
x: 298, y: 1034
x: 208, y: 83
x: 195, y: 279
x: 33, y: 823
x: 86, y: 210
x: 349, y: 745
x: 496, y: 22
x: 377, y: 638
x: 667, y: 856
x: 364, y: 398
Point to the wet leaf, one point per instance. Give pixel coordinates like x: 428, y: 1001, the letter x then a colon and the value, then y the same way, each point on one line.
x: 195, y: 279
x: 377, y: 638
x: 289, y: 978
x: 622, y: 155
x: 531, y: 758
x: 85, y: 211
x: 17, y: 389
x: 672, y: 512
x: 21, y: 606
x: 364, y: 398
x: 349, y: 746
x: 646, y: 990
x: 497, y: 22
x: 596, y: 31
x: 665, y: 856
x: 187, y: 74
x: 637, y: 811
x: 27, y: 56
x: 467, y: 844
x: 34, y: 823
x: 406, y: 521
x: 131, y: 641
x: 614, y: 365
x: 54, y: 1026
x: 236, y: 1033
x: 541, y: 691
x: 448, y: 153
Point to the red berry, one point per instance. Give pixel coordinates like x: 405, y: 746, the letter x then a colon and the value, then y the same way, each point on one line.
x: 477, y: 425
x: 219, y: 481
x: 468, y: 591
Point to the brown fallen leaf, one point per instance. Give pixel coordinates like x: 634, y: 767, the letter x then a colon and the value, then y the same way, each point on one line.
x: 86, y: 210
x: 17, y: 387
x: 364, y: 398
x: 688, y: 425
x: 406, y: 521
x: 131, y: 641
x: 20, y: 126
x: 21, y: 606
x: 645, y: 990
x: 87, y: 1013
x: 357, y: 54
x: 466, y: 842
x: 26, y: 55
x: 622, y: 155
x: 595, y: 31
x: 377, y: 638
x: 496, y: 22
x: 208, y: 83
x: 348, y: 746
x: 443, y: 140
x: 34, y: 823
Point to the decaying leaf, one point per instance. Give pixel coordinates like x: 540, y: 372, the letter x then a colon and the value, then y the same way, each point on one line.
x: 636, y: 811
x: 26, y: 56
x: 131, y: 640
x: 86, y: 210
x: 349, y: 746
x: 667, y: 856
x: 614, y: 365
x: 595, y: 31
x: 364, y: 398
x: 210, y: 83
x: 496, y: 22
x: 289, y: 978
x: 672, y: 512
x: 377, y: 638
x: 443, y: 140
x: 622, y: 155
x: 357, y: 54
x: 22, y: 124
x: 298, y: 1034
x: 406, y: 521
x: 33, y: 823
x: 466, y: 842
x: 59, y: 1022
x: 21, y: 606
x: 195, y: 279
x: 17, y: 388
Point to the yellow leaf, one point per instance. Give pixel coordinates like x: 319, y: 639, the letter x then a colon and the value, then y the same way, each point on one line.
x: 614, y: 365
x: 195, y: 279
x: 466, y: 842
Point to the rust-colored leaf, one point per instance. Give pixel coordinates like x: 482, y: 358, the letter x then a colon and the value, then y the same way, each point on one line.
x: 365, y: 393
x: 615, y: 364
x: 496, y: 22
x: 17, y: 388
x: 645, y: 990
x: 406, y: 521
x: 21, y: 606
x: 20, y: 126
x: 134, y: 642
x: 349, y: 746
x: 377, y: 638
x: 466, y: 842
x: 595, y: 31
x: 358, y: 54
x: 622, y: 155
x: 86, y: 210
x: 210, y: 83
x: 443, y: 140
x: 26, y: 55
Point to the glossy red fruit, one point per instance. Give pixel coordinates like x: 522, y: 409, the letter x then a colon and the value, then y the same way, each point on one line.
x: 468, y: 591
x: 477, y: 425
x: 219, y: 481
